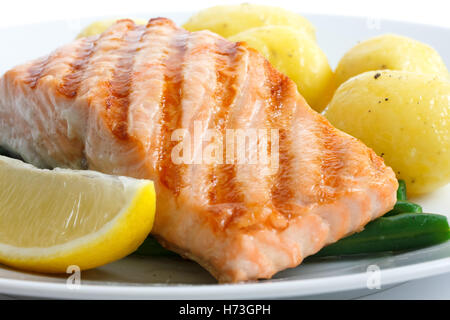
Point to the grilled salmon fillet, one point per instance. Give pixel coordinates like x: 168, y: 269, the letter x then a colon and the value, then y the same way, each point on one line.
x: 113, y: 102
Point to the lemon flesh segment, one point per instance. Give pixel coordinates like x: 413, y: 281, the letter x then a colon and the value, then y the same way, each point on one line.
x: 53, y: 219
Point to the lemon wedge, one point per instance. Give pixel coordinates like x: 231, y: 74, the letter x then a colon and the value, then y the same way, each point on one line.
x: 54, y: 219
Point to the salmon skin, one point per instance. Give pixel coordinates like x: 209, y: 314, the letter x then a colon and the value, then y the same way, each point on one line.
x: 113, y: 103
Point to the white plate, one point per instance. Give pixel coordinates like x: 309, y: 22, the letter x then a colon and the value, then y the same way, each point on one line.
x: 174, y: 278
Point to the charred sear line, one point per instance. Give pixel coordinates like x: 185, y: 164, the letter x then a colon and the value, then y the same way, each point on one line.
x: 37, y: 71
x: 282, y: 192
x: 170, y: 174
x: 224, y: 192
x: 118, y: 101
x: 223, y: 188
x: 279, y: 117
x: 331, y: 162
x: 71, y: 82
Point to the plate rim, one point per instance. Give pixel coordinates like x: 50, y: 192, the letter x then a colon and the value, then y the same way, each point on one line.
x: 275, y: 289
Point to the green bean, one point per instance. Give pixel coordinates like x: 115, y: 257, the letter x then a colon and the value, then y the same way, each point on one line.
x: 400, y: 232
x: 401, y: 191
x: 151, y: 247
x: 404, y: 207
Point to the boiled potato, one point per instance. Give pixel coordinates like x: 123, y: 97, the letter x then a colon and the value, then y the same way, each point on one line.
x: 294, y: 53
x: 404, y: 117
x: 100, y: 26
x: 391, y: 52
x: 228, y: 20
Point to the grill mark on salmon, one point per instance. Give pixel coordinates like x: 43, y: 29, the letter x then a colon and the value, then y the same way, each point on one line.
x: 282, y: 192
x: 279, y: 116
x: 170, y: 174
x: 223, y: 189
x: 331, y: 162
x: 37, y: 70
x: 118, y: 101
x: 72, y: 81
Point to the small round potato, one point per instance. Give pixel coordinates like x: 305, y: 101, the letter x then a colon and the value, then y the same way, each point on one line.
x: 391, y: 52
x: 228, y: 20
x: 100, y: 26
x: 298, y: 56
x: 404, y: 117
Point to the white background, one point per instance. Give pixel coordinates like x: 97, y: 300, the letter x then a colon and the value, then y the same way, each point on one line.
x: 19, y: 12
x: 16, y: 12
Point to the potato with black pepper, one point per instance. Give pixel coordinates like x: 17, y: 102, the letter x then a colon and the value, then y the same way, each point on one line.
x: 228, y: 20
x: 392, y: 52
x: 294, y: 53
x: 404, y: 117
